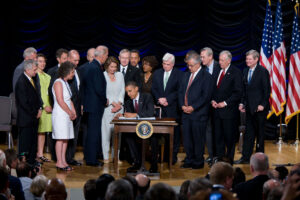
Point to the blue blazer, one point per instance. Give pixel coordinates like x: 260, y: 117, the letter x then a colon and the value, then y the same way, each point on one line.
x: 199, y: 94
x: 170, y: 93
x: 94, y: 88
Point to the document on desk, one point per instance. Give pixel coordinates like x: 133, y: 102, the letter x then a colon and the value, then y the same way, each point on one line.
x: 137, y: 118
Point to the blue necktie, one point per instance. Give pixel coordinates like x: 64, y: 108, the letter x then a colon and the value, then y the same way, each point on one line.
x: 250, y: 75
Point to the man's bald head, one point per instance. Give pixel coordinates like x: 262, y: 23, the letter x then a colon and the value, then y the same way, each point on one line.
x: 270, y: 185
x: 74, y: 57
x: 143, y: 183
x: 55, y: 189
x: 259, y: 163
x: 90, y: 54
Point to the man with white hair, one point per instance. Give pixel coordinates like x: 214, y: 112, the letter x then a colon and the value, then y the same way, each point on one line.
x: 29, y: 107
x: 226, y: 97
x: 165, y: 85
x: 29, y: 53
x: 94, y: 102
x: 253, y: 188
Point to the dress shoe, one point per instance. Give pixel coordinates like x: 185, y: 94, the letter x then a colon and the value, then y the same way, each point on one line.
x: 242, y: 161
x: 97, y: 164
x: 134, y: 168
x: 153, y: 168
x: 185, y: 165
x: 197, y: 166
x: 75, y: 163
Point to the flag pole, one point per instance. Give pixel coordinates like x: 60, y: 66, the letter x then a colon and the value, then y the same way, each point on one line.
x: 296, y: 143
x: 280, y: 141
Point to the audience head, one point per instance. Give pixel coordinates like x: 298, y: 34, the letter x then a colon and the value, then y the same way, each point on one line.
x: 149, y: 63
x: 160, y: 191
x: 4, y: 183
x: 41, y: 61
x: 143, y: 183
x: 66, y: 70
x: 11, y: 158
x: 23, y: 169
x: 168, y: 61
x: 222, y: 173
x: 74, y: 57
x: 193, y: 62
x: 268, y: 186
x: 111, y: 65
x: 252, y: 57
x: 134, y: 57
x: 225, y: 59
x: 272, y: 173
x: 89, y: 190
x: 184, y: 189
x: 102, y: 183
x: 29, y: 53
x: 61, y: 55
x: 2, y: 159
x: 190, y: 52
x: 101, y: 53
x: 90, y: 55
x: 199, y: 184
x: 38, y: 185
x: 55, y: 190
x: 283, y: 173
x: 238, y: 176
x: 132, y: 89
x: 133, y: 183
x: 206, y: 56
x: 276, y: 193
x: 295, y: 167
x: 119, y: 190
x: 30, y: 68
x: 124, y: 57
x: 259, y: 164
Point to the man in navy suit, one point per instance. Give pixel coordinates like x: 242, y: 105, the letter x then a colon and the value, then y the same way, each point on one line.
x: 94, y: 102
x: 194, y: 96
x: 165, y: 85
x: 255, y: 103
x: 213, y: 67
x: 225, y: 101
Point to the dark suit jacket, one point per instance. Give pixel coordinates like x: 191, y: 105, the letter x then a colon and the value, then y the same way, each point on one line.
x: 251, y: 189
x: 230, y: 91
x: 94, y: 88
x: 133, y: 74
x: 170, y: 93
x: 216, y: 71
x: 76, y: 93
x: 257, y: 92
x: 15, y: 187
x: 199, y: 94
x: 146, y: 106
x: 28, y: 102
x: 53, y: 72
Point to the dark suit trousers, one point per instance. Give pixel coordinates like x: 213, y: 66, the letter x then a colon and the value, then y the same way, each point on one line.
x: 225, y: 131
x: 132, y: 145
x: 209, y: 137
x: 72, y: 144
x: 194, y: 140
x: 93, y: 138
x: 28, y: 142
x: 255, y: 124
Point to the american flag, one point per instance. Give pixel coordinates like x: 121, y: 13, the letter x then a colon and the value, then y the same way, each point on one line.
x: 293, y: 102
x: 278, y: 85
x: 266, y: 44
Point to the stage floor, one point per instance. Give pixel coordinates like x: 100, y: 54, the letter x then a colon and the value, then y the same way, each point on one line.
x: 282, y: 154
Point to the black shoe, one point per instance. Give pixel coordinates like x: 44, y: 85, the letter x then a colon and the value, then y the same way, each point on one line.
x: 97, y: 164
x: 242, y: 161
x: 153, y: 168
x: 134, y: 168
x: 75, y: 163
x: 198, y: 166
x: 208, y: 160
x: 186, y: 165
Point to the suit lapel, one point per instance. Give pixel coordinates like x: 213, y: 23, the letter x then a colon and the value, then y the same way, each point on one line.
x: 141, y: 102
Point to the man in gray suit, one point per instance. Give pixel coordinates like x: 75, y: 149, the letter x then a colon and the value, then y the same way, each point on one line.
x: 28, y: 54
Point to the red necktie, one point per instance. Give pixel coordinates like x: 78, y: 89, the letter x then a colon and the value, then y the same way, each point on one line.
x: 220, y: 79
x: 187, y: 90
x: 136, y: 106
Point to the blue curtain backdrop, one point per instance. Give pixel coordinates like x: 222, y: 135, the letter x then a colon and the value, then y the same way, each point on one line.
x: 152, y: 26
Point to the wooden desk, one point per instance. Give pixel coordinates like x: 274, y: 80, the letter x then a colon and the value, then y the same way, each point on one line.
x: 160, y: 125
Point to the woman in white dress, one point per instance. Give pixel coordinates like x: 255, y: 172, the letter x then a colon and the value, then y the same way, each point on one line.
x: 63, y: 113
x: 115, y: 91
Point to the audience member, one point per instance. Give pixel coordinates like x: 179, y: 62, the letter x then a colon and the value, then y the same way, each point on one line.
x: 4, y: 183
x: 38, y: 186
x: 273, y: 174
x: 45, y: 123
x: 55, y: 190
x: 28, y: 54
x: 268, y: 186
x: 283, y: 173
x: 160, y: 191
x: 11, y: 160
x: 199, y: 184
x: 238, y: 176
x: 143, y: 183
x: 221, y: 175
x: 24, y: 174
x: 253, y: 188
x: 102, y: 183
x: 119, y: 190
x: 276, y: 193
x: 184, y: 189
x: 89, y: 190
x: 291, y: 189
x: 135, y: 58
x: 115, y: 92
x: 133, y: 183
x: 149, y: 64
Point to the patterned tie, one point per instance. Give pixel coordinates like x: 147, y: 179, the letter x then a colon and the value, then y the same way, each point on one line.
x: 187, y: 90
x: 32, y: 83
x: 250, y: 75
x: 220, y: 79
x: 166, y: 79
x: 136, y: 106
